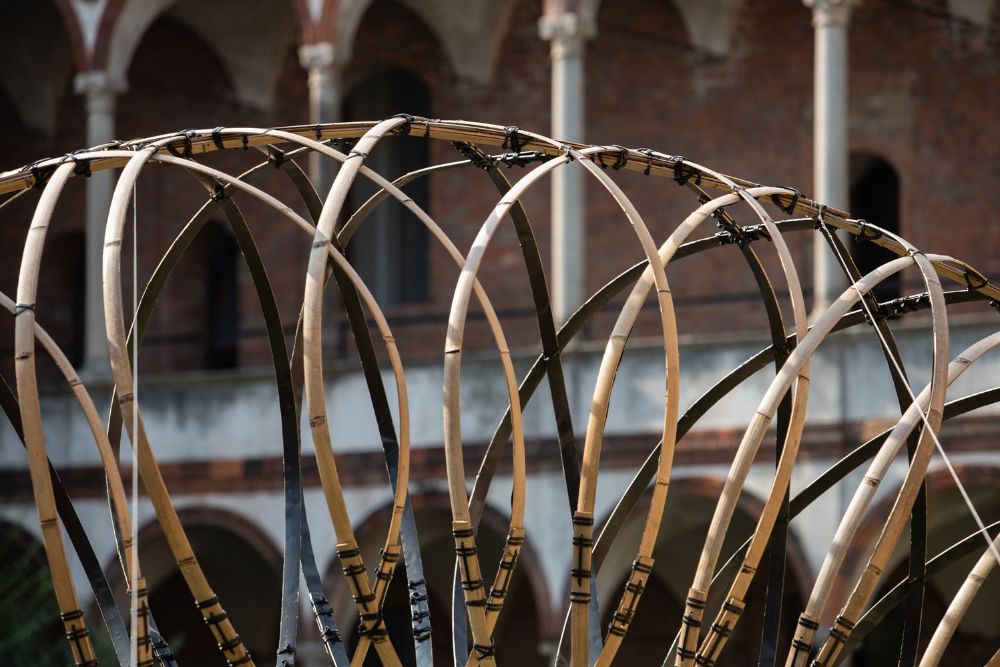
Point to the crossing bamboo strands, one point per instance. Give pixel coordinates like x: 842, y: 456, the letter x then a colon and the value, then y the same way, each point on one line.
x: 326, y: 236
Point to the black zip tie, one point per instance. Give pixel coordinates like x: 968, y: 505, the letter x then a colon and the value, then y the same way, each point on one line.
x: 187, y: 145
x: 205, y: 604
x: 867, y: 231
x: 649, y: 159
x: 80, y: 167
x: 41, y: 174
x: 511, y: 139
x: 246, y: 142
x: 791, y: 206
x: 403, y: 128
x: 995, y: 304
x: 483, y: 650
x: 217, y: 138
x: 680, y: 177
x: 622, y: 157
x: 275, y: 156
x: 473, y: 154
x: 218, y: 193
x: 319, y: 132
x: 23, y: 307
x: 879, y: 313
x: 981, y: 280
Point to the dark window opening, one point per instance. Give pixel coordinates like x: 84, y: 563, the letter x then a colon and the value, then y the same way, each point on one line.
x: 221, y: 253
x: 875, y: 198
x: 63, y: 284
x: 390, y: 249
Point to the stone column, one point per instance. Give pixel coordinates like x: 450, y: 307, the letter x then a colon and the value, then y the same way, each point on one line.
x: 324, y: 104
x: 567, y: 33
x: 101, y: 91
x: 831, y: 144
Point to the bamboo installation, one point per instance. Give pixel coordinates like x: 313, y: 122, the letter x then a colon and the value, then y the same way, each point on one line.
x: 328, y: 227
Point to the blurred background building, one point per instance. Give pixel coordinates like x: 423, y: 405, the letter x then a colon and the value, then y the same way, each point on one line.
x: 897, y: 121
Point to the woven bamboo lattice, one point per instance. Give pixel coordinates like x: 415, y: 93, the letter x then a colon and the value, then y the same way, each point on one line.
x: 477, y: 604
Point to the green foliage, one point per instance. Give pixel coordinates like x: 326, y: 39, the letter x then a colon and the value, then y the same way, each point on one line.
x: 30, y: 634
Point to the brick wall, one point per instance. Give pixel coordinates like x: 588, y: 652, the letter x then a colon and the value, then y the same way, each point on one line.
x: 922, y: 97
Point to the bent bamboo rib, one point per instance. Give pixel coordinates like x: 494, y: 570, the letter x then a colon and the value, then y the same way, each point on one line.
x: 27, y: 387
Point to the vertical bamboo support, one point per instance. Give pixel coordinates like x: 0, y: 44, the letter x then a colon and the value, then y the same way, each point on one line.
x: 27, y: 385
x: 580, y: 576
x: 687, y: 642
x: 369, y: 614
x: 834, y: 645
x: 143, y: 639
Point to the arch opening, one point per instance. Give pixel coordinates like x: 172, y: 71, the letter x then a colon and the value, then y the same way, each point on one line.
x: 658, y: 614
x: 517, y: 636
x: 232, y: 552
x: 948, y: 521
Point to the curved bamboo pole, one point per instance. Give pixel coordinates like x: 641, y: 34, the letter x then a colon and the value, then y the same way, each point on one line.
x: 643, y: 561
x: 347, y: 548
x: 833, y: 646
x: 698, y: 593
x: 916, y: 565
x: 116, y: 489
x: 476, y: 600
x: 151, y: 292
x: 27, y: 390
x: 583, y: 519
x: 146, y: 464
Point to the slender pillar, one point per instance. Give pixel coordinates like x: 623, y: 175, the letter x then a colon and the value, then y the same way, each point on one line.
x: 324, y: 104
x: 101, y: 91
x: 567, y: 33
x: 831, y: 143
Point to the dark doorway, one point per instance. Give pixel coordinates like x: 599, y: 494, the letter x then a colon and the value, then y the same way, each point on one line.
x: 390, y: 251
x: 875, y: 198
x: 221, y: 256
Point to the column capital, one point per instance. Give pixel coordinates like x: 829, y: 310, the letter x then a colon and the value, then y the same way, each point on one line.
x: 566, y: 26
x: 93, y: 82
x: 831, y: 13
x: 317, y: 55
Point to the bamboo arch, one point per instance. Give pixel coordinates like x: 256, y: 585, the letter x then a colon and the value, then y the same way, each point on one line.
x: 299, y: 374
